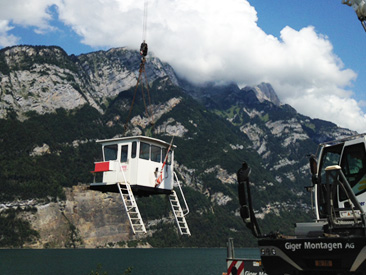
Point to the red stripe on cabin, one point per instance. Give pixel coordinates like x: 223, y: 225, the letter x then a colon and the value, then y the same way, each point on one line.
x: 101, y: 166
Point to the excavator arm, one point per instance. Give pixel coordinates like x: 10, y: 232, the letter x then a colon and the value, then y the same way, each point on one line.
x: 245, y: 200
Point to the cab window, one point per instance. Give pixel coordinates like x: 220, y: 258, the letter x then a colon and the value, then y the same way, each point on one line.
x: 155, y: 153
x: 354, y: 167
x: 144, y: 150
x: 134, y: 149
x: 110, y: 152
x: 330, y: 156
x: 124, y: 153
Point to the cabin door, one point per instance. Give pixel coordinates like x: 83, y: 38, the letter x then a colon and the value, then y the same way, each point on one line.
x: 353, y: 165
x: 124, y: 163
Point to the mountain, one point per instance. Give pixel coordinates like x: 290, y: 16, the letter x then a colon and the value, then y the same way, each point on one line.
x: 43, y: 79
x: 53, y: 107
x: 264, y: 91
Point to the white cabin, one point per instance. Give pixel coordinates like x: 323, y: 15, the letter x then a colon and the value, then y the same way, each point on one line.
x: 139, y: 161
x: 140, y: 166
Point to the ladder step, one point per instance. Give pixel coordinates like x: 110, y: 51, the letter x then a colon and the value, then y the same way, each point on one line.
x: 178, y: 214
x: 132, y: 210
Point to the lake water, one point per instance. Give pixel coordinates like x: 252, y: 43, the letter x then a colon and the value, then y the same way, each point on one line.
x: 116, y: 261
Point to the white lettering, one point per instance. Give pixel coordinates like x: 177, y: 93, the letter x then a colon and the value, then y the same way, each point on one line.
x: 318, y: 245
x: 292, y: 246
x: 321, y: 245
x: 255, y: 273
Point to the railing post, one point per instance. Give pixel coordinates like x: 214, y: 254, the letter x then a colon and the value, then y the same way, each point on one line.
x: 181, y: 191
x: 230, y: 249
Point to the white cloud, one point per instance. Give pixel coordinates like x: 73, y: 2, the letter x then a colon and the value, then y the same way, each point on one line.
x: 24, y: 13
x: 212, y: 41
x: 5, y: 38
x: 28, y: 13
x: 343, y: 111
x: 101, y: 23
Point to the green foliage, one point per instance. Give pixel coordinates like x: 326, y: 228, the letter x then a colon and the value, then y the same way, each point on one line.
x: 135, y: 243
x: 265, y: 118
x: 4, y: 68
x: 74, y: 237
x: 25, y: 176
x: 14, y: 231
x: 98, y: 270
x: 153, y: 207
x: 207, y: 144
x: 213, y: 131
x: 43, y: 54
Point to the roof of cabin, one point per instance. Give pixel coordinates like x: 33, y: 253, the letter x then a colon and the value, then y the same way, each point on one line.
x: 140, y: 138
x: 343, y: 140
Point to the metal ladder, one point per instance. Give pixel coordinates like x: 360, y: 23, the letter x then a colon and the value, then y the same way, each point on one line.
x: 178, y: 211
x: 132, y: 210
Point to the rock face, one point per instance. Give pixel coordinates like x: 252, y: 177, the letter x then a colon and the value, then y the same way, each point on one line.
x: 264, y: 91
x: 43, y: 79
x: 33, y: 81
x: 86, y: 219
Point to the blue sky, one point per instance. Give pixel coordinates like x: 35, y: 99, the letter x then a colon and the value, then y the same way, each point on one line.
x: 310, y: 51
x: 331, y: 18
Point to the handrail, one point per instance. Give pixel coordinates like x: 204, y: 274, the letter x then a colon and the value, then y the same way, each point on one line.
x: 181, y: 191
x: 338, y: 173
x: 121, y: 170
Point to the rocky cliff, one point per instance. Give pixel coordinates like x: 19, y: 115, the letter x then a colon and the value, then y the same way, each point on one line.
x: 86, y: 219
x: 43, y: 79
x: 53, y: 107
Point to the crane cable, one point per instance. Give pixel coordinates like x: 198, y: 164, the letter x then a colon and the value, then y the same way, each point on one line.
x: 144, y: 27
x: 142, y: 72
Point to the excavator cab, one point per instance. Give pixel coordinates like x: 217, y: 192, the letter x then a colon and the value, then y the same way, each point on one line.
x: 350, y: 155
x: 335, y: 242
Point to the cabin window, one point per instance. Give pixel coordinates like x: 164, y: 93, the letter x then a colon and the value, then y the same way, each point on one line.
x: 155, y: 153
x: 110, y: 152
x: 354, y: 167
x: 124, y: 153
x: 144, y: 150
x: 134, y: 149
x: 331, y: 156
